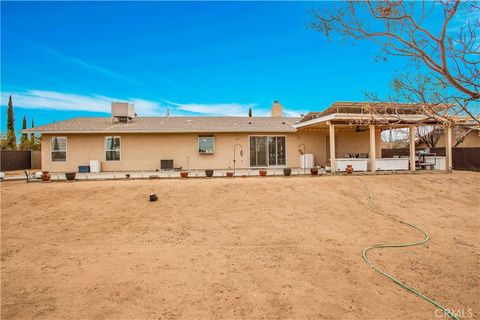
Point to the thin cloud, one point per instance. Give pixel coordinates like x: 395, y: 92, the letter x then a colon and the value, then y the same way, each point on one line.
x: 41, y: 99
x: 465, y: 18
x: 294, y: 113
x: 229, y: 109
x: 216, y: 109
x: 82, y: 63
x: 45, y: 99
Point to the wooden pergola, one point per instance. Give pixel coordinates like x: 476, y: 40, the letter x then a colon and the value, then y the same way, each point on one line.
x: 374, y: 116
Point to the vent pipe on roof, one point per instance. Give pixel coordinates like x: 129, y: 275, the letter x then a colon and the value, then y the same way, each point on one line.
x: 277, y: 110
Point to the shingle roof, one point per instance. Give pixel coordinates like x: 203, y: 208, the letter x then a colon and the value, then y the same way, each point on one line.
x: 170, y: 125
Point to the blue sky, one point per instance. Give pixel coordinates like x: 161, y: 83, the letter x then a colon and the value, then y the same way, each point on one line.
x: 61, y: 60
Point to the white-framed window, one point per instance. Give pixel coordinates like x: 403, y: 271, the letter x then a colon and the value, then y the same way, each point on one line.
x: 206, y: 144
x: 112, y: 148
x: 58, y: 149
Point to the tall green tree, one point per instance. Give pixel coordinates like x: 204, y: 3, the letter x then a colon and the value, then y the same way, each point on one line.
x: 11, y: 138
x: 34, y: 143
x: 250, y: 112
x: 32, y: 135
x: 24, y: 142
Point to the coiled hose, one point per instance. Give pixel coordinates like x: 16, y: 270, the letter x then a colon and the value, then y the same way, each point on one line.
x: 399, y: 245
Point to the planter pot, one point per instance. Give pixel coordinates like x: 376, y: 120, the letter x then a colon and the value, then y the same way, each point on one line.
x: 184, y: 174
x: 287, y: 172
x: 209, y: 173
x: 314, y: 171
x: 349, y: 168
x: 229, y: 174
x: 45, y: 176
x: 262, y: 173
x: 70, y: 176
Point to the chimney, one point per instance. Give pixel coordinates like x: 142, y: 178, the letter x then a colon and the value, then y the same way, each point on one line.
x: 277, y: 109
x: 122, y: 112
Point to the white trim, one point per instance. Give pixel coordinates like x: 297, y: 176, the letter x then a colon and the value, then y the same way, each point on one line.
x: 66, y: 147
x: 268, y: 166
x: 359, y: 116
x: 198, y: 143
x: 314, y: 121
x: 105, y: 148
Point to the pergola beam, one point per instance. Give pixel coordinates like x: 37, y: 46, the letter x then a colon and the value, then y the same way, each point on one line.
x: 333, y: 164
x: 411, y: 134
x: 448, y: 146
x: 373, y: 156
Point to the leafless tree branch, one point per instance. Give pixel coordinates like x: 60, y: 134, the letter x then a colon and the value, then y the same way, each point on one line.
x: 446, y: 79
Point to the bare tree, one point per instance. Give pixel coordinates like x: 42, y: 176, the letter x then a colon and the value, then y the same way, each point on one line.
x: 430, y: 135
x: 443, y: 73
x: 396, y: 138
x: 461, y: 132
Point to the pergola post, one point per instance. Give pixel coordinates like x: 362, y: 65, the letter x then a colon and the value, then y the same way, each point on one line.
x: 448, y: 146
x: 411, y: 134
x: 373, y: 156
x: 333, y: 164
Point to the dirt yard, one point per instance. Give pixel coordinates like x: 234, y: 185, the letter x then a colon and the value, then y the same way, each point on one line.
x: 243, y: 248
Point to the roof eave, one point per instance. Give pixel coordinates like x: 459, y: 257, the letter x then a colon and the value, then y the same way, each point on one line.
x: 367, y: 117
x: 153, y: 131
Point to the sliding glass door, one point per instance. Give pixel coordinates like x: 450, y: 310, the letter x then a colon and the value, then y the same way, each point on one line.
x: 281, y: 151
x: 267, y: 151
x: 258, y: 151
x: 272, y: 151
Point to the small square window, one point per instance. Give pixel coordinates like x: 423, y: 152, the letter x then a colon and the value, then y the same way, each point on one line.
x: 112, y: 148
x: 206, y: 144
x: 58, y: 149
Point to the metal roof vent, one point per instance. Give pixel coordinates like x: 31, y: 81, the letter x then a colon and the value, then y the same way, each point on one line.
x: 123, y: 112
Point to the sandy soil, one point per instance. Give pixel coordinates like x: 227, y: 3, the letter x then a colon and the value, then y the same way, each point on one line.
x: 254, y: 248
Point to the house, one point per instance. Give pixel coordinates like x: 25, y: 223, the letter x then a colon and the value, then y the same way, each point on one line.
x: 345, y: 133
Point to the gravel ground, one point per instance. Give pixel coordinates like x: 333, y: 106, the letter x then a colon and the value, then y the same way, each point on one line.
x: 242, y: 248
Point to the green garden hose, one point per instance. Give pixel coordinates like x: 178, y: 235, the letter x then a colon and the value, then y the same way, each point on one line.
x: 399, y: 245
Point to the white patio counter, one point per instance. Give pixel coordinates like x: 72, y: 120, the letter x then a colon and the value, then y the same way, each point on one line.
x: 386, y: 164
x: 441, y: 162
x: 358, y: 164
x: 363, y: 164
x: 393, y: 164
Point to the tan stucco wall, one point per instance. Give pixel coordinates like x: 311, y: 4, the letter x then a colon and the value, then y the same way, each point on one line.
x: 141, y: 151
x: 348, y: 141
